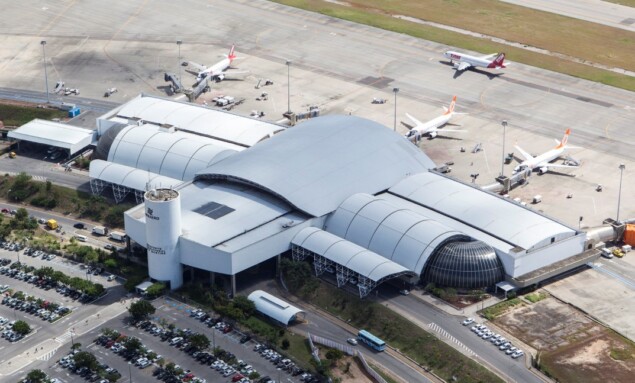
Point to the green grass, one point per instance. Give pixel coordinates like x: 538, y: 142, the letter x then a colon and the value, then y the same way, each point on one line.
x: 621, y: 354
x: 576, y: 38
x: 15, y: 115
x: 535, y: 297
x: 398, y: 332
x: 71, y: 201
x: 628, y: 3
x: 381, y: 373
x: 494, y: 311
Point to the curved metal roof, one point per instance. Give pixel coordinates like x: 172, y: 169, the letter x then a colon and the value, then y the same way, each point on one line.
x: 318, y: 164
x: 343, y: 252
x: 274, y: 307
x: 497, y: 216
x: 129, y: 177
x: 198, y: 119
x: 400, y: 235
x: 172, y: 154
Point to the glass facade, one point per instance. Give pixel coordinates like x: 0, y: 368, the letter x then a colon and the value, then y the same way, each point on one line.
x: 462, y: 262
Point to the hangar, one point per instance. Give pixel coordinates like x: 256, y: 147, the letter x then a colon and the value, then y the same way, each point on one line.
x: 354, y: 198
x: 70, y: 138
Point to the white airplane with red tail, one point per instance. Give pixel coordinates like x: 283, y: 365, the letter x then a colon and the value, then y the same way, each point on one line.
x: 431, y: 128
x: 543, y: 161
x: 462, y: 61
x: 215, y: 72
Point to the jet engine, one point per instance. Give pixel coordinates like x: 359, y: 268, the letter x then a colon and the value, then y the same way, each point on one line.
x: 220, y: 77
x: 543, y: 170
x: 433, y: 134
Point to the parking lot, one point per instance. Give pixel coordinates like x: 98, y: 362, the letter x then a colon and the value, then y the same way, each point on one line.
x: 159, y: 341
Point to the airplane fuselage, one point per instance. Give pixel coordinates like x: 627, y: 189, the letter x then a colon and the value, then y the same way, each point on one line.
x: 542, y: 160
x: 215, y: 69
x: 472, y: 60
x: 434, y: 124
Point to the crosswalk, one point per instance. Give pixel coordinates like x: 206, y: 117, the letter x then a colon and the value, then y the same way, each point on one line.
x: 34, y: 178
x: 48, y: 355
x: 436, y: 328
x: 64, y: 337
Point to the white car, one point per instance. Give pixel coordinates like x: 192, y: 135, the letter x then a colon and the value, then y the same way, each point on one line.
x: 518, y: 354
x: 111, y: 277
x: 352, y: 341
x: 511, y: 350
x: 468, y: 321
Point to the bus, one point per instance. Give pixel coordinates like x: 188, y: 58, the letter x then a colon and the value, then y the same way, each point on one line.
x: 371, y: 340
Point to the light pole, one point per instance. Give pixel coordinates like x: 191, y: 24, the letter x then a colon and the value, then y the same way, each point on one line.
x: 288, y: 86
x: 394, y: 123
x: 130, y: 371
x: 619, y: 195
x: 72, y: 339
x: 179, y: 42
x: 504, y: 123
x: 46, y: 78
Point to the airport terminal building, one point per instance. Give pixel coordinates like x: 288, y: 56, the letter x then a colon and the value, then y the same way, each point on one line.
x: 357, y: 200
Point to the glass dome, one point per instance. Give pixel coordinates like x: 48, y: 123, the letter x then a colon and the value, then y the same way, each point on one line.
x: 462, y: 262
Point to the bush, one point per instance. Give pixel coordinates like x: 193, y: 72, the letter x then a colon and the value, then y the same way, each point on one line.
x: 285, y: 344
x: 21, y: 327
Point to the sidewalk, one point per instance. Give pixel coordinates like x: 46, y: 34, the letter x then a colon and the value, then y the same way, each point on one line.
x: 447, y: 308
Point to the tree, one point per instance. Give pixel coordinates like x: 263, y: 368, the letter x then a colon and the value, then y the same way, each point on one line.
x: 76, y: 346
x: 285, y: 344
x: 37, y: 376
x: 85, y: 359
x: 199, y: 341
x: 334, y: 354
x: 141, y: 310
x: 133, y: 343
x: 247, y: 306
x: 21, y: 327
x: 155, y: 290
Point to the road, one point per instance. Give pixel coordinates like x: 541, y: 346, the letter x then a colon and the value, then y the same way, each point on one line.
x: 424, y: 315
x: 38, y: 97
x: 595, y: 11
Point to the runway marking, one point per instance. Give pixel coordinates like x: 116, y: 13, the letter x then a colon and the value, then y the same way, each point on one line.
x: 598, y: 267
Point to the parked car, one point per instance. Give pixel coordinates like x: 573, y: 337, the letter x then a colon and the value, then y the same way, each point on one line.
x: 468, y: 321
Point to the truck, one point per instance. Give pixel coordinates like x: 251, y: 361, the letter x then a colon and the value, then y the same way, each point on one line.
x: 100, y: 230
x: 117, y: 236
x: 52, y: 224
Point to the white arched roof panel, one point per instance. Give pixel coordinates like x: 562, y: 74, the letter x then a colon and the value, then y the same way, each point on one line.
x: 361, y: 230
x: 500, y: 217
x: 273, y: 307
x: 347, y: 254
x: 128, y: 176
x: 244, y: 131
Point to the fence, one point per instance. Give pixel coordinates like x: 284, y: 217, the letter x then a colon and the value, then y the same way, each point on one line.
x: 345, y: 349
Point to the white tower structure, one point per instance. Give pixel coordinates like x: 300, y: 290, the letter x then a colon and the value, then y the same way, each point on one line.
x: 163, y: 229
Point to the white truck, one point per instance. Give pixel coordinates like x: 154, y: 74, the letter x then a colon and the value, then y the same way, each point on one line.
x: 117, y: 236
x: 100, y: 230
x: 224, y: 101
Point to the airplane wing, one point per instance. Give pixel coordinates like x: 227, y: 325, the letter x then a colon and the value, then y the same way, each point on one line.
x: 524, y: 153
x: 463, y: 66
x: 417, y: 122
x: 234, y: 75
x: 192, y: 66
x: 451, y: 130
x: 550, y: 165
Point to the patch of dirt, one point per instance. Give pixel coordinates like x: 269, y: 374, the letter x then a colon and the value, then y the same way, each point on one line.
x: 573, y: 348
x: 350, y: 371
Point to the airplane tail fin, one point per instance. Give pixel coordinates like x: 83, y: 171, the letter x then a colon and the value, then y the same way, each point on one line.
x: 499, y: 61
x: 565, y: 138
x: 231, y: 56
x: 450, y: 110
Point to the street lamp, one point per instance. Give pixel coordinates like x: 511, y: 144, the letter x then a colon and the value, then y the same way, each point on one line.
x: 72, y: 338
x: 504, y: 123
x: 46, y: 78
x: 394, y: 123
x: 179, y: 42
x: 619, y: 195
x: 130, y: 371
x: 288, y: 86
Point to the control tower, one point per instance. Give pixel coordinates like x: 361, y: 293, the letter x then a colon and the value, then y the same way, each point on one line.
x: 163, y: 229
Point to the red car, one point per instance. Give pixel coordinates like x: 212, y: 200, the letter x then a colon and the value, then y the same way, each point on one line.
x: 227, y: 329
x: 237, y: 377
x: 5, y: 210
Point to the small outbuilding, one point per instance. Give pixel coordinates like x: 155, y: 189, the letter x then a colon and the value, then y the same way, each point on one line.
x: 63, y: 136
x: 275, y: 308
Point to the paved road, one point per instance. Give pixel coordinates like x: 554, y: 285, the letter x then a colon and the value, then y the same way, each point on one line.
x: 464, y: 339
x: 596, y: 11
x: 39, y: 97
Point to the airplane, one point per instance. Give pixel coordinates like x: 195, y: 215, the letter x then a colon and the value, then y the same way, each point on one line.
x: 215, y: 72
x: 464, y: 61
x: 431, y: 128
x: 543, y: 161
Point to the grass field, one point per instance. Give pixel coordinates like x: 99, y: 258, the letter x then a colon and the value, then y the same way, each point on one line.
x: 16, y: 115
x: 587, y: 41
x: 629, y: 3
